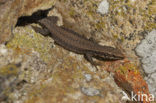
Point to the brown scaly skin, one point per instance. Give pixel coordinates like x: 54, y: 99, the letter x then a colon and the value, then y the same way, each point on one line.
x: 74, y: 42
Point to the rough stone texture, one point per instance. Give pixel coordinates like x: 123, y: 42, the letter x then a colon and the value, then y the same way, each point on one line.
x: 103, y: 7
x: 12, y: 9
x: 147, y: 51
x: 18, y: 72
x: 35, y: 70
x: 41, y: 74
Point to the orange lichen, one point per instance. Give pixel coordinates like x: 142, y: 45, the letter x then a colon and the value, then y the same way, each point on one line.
x: 129, y: 78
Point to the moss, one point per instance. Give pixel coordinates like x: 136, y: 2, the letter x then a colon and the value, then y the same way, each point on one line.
x: 150, y: 26
x: 124, y: 69
x: 10, y: 69
x: 152, y: 7
x: 90, y: 13
x: 25, y: 40
x: 85, y: 1
x: 100, y: 25
x: 72, y: 12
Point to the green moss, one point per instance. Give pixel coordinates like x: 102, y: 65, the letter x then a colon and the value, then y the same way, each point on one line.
x: 150, y: 26
x: 100, y: 25
x: 72, y: 12
x: 26, y: 40
x: 152, y: 7
x: 130, y: 9
x: 85, y: 1
x: 10, y: 69
x: 64, y: 0
x: 127, y: 67
x: 90, y: 13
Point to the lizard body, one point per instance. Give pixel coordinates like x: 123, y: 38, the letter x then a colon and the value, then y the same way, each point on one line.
x: 74, y: 42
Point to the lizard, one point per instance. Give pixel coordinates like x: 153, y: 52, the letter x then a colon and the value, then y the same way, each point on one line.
x: 75, y: 42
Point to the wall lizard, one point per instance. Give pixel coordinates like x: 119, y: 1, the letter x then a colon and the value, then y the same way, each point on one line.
x: 75, y: 42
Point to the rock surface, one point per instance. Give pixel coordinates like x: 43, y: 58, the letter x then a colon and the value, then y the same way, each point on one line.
x: 147, y: 51
x: 34, y: 70
x: 12, y: 9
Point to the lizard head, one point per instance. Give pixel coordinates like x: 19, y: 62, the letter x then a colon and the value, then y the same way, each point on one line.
x: 109, y: 53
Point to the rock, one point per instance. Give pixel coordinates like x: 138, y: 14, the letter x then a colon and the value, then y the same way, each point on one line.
x: 103, y: 7
x: 147, y: 51
x: 11, y: 10
x: 49, y: 73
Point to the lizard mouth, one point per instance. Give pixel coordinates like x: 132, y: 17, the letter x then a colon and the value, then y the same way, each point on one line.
x: 109, y: 58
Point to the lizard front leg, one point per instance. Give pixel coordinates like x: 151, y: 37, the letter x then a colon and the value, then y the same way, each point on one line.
x: 43, y: 31
x: 89, y: 57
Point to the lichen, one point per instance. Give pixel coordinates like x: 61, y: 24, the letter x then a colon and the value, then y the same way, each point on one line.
x: 65, y: 74
x: 9, y: 70
x: 124, y: 69
x: 147, y: 51
x: 25, y: 40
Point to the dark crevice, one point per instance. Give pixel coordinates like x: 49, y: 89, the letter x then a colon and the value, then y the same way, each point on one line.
x: 40, y: 14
